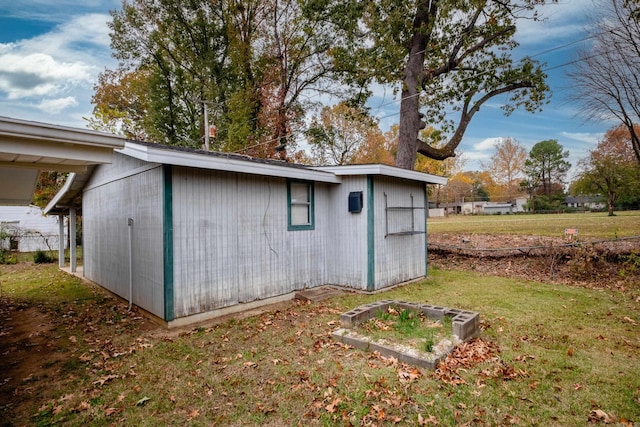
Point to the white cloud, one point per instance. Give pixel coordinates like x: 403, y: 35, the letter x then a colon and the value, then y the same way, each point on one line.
x: 589, y: 138
x: 487, y: 144
x: 38, y: 74
x: 561, y: 20
x: 55, y: 106
x: 55, y: 71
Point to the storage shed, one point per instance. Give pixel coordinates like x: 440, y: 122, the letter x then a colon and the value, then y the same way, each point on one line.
x: 187, y: 235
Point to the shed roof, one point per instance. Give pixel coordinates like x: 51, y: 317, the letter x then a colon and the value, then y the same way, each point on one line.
x: 229, y: 162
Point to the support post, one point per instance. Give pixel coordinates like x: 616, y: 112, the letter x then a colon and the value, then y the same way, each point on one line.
x: 60, y: 241
x: 73, y: 251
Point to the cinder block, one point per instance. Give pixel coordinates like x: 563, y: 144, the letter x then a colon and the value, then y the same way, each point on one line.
x: 433, y: 312
x: 466, y: 325
x: 340, y: 335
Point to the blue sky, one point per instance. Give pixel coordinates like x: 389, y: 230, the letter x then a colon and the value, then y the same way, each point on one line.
x: 52, y: 52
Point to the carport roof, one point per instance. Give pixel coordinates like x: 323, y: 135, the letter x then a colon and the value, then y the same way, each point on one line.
x: 27, y: 147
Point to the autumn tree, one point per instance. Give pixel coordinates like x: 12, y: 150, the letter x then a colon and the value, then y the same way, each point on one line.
x: 250, y: 61
x: 545, y: 170
x: 506, y: 166
x: 443, y: 55
x: 48, y: 184
x: 606, y: 83
x: 611, y: 170
x: 338, y: 134
x: 379, y: 147
x: 120, y: 100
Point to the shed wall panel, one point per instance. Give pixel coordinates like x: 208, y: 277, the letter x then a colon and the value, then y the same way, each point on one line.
x: 347, y: 249
x: 232, y: 244
x: 205, y: 242
x: 399, y: 258
x: 106, y: 209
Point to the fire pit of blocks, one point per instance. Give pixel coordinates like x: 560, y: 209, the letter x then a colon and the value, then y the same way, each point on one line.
x: 464, y: 326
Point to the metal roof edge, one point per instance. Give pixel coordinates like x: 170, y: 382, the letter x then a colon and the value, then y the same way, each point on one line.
x: 30, y: 130
x: 385, y: 170
x: 223, y: 162
x: 60, y: 194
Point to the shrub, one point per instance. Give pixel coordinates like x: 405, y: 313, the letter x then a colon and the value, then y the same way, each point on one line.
x: 41, y: 257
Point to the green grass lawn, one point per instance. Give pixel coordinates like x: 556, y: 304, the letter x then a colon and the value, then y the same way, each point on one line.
x: 592, y: 225
x: 565, y: 353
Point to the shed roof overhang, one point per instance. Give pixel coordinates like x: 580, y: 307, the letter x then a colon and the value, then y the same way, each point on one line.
x: 26, y: 148
x: 385, y: 170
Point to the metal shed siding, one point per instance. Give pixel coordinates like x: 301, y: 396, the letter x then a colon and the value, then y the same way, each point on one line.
x: 106, y: 208
x: 398, y: 258
x: 231, y: 242
x: 347, y: 254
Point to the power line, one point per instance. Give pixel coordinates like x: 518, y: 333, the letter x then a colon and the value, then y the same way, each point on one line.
x: 493, y: 70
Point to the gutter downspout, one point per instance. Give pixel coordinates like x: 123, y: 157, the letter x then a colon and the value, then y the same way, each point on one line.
x: 130, y: 225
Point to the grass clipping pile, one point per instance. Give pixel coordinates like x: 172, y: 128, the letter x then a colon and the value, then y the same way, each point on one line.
x: 594, y: 263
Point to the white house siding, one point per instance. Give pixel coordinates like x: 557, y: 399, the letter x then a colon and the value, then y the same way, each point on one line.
x: 231, y: 242
x: 110, y: 198
x: 398, y: 258
x: 31, y: 229
x: 347, y: 250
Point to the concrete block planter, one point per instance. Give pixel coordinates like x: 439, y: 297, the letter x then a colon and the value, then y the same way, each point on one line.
x: 464, y: 324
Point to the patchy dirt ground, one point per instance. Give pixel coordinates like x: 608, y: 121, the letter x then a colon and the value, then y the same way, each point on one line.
x: 592, y: 263
x: 38, y: 352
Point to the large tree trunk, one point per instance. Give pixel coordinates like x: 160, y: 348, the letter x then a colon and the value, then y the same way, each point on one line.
x: 611, y: 204
x: 410, y: 120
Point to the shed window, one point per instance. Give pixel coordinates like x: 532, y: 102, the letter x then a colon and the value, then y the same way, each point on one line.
x: 300, y: 197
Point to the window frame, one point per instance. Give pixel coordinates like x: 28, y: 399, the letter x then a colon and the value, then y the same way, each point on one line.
x: 310, y: 203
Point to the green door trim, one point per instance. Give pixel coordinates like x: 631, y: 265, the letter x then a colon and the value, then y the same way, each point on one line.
x: 167, y: 240
x: 371, y: 250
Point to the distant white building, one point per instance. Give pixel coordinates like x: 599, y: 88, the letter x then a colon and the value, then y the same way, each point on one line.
x: 489, y: 208
x: 482, y: 208
x: 586, y: 202
x: 27, y: 229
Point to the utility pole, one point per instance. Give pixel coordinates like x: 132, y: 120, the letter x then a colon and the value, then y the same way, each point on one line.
x: 206, y: 126
x: 207, y: 130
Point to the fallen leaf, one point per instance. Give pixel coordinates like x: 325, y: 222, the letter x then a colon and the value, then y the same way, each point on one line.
x: 429, y: 421
x: 598, y: 415
x: 332, y: 407
x: 409, y: 376
x: 143, y: 401
x: 110, y: 411
x: 82, y: 406
x: 570, y: 352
